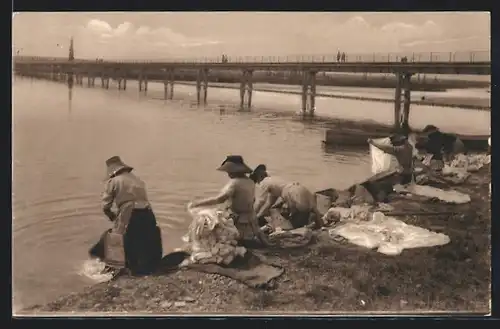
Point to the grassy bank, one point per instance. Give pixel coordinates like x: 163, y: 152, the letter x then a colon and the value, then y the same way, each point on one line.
x: 329, y: 276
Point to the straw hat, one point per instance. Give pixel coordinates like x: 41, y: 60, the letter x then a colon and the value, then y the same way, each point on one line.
x: 259, y: 169
x: 115, y: 165
x: 234, y: 164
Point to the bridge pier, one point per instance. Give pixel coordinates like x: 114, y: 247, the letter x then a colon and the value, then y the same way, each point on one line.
x: 308, y: 93
x: 90, y: 81
x: 122, y: 83
x: 168, y: 84
x: 143, y: 83
x: 202, y: 83
x: 407, y: 99
x: 246, y: 88
x: 397, y: 101
x: 104, y: 81
x: 52, y: 73
x: 403, y: 88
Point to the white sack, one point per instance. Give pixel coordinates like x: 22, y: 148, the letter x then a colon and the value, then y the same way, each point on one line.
x: 381, y: 161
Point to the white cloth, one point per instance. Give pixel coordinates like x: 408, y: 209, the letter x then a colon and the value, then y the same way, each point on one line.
x: 471, y: 162
x: 389, y: 235
x: 382, y: 161
x: 212, y: 237
x: 449, y: 196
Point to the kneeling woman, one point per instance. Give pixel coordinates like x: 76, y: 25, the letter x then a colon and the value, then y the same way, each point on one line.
x: 135, y: 219
x: 239, y: 193
x: 276, y: 193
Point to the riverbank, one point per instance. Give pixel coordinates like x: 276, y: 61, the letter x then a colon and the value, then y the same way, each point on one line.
x: 328, y: 276
x: 429, y: 100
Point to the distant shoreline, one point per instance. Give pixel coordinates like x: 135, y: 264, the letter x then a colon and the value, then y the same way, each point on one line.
x: 463, y: 102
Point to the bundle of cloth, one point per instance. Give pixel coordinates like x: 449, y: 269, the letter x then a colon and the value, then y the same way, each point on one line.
x: 336, y: 215
x: 212, y: 238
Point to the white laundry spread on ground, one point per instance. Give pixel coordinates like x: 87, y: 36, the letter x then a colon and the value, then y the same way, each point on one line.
x: 469, y: 163
x: 389, y: 235
x: 449, y: 196
x: 382, y: 161
x: 212, y: 237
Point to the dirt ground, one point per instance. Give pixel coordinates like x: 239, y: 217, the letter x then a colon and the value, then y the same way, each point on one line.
x: 328, y: 277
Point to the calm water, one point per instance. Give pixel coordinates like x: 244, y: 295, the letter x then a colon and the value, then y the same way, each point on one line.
x: 60, y: 147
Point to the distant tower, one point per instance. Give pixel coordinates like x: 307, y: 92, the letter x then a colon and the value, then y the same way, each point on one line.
x: 71, y: 50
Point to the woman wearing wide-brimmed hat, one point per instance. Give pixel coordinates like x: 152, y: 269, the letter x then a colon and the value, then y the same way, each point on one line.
x: 239, y: 193
x: 134, y: 220
x: 403, y: 151
x: 277, y: 193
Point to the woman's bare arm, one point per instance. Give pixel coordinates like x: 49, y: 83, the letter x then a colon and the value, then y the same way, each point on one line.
x: 212, y: 201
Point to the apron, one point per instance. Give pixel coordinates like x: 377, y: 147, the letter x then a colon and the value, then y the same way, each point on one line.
x: 124, y: 213
x: 242, y: 223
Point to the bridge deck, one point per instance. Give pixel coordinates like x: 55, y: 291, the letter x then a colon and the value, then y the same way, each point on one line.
x: 470, y: 66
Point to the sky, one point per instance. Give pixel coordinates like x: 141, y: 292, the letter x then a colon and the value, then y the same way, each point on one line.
x: 163, y: 35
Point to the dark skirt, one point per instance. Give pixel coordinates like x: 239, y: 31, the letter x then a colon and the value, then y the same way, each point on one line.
x: 142, y: 243
x: 406, y: 178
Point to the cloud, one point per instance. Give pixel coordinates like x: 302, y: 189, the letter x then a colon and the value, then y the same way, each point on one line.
x: 471, y: 43
x: 98, y: 26
x: 168, y: 37
x: 357, y: 35
x: 127, y: 41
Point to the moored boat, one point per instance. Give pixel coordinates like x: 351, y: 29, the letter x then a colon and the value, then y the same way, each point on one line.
x: 358, y: 137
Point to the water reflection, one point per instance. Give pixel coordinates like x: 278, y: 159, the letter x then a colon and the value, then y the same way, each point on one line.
x: 70, y: 99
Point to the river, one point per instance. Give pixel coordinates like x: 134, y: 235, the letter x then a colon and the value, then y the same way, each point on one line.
x: 61, y: 140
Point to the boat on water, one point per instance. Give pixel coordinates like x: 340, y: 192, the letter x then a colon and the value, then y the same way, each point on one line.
x: 475, y: 142
x: 357, y: 137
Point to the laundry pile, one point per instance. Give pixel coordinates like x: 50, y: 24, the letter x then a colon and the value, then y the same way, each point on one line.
x: 212, y: 238
x: 387, y: 234
x: 458, y: 170
x: 470, y: 162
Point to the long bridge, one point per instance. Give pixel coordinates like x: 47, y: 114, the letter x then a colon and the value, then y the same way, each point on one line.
x: 73, y: 70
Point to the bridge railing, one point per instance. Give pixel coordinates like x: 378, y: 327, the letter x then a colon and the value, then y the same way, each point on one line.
x: 415, y: 57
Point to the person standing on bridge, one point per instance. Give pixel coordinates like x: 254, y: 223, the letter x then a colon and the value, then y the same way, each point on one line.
x: 343, y: 57
x: 338, y: 56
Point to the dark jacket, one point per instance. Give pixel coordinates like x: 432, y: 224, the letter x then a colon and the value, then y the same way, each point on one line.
x: 439, y: 143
